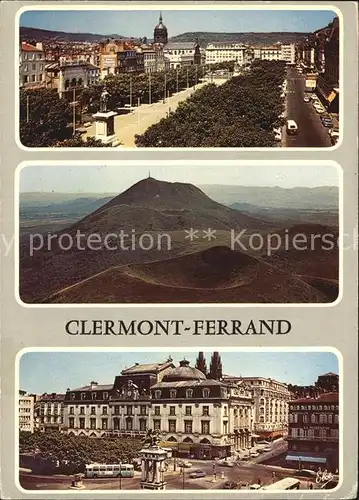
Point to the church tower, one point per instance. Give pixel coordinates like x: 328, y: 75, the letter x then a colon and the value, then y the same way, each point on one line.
x: 160, y: 34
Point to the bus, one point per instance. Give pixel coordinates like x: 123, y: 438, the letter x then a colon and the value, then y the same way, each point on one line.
x: 109, y: 470
x: 288, y: 483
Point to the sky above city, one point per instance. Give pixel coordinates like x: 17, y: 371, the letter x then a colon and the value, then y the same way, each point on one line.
x: 132, y: 23
x: 117, y: 178
x: 56, y: 371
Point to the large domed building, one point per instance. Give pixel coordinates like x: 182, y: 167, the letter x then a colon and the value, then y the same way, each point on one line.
x: 160, y: 34
x: 200, y: 417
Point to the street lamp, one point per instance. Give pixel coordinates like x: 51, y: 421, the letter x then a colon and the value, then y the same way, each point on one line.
x: 149, y: 89
x: 182, y: 472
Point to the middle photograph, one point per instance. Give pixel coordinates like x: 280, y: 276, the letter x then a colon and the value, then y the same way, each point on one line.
x: 186, y: 232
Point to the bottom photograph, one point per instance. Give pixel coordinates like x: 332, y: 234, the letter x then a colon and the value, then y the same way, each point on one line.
x: 192, y: 420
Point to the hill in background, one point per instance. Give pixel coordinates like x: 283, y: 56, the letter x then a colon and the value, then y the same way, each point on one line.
x: 252, y: 38
x: 205, y: 37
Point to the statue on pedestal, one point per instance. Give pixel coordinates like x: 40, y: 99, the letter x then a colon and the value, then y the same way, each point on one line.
x: 104, y: 100
x: 152, y: 438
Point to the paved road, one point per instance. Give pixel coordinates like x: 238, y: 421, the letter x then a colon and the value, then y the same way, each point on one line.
x: 311, y: 131
x: 139, y: 120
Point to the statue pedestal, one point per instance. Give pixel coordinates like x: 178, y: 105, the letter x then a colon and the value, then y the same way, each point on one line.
x: 153, y: 461
x: 105, y: 126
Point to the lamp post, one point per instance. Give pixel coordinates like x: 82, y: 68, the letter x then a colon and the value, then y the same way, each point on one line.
x: 177, y: 80
x: 27, y: 108
x: 149, y: 89
x: 182, y: 472
x: 130, y: 91
x: 165, y: 89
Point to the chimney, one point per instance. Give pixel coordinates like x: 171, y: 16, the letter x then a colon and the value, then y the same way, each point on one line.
x: 39, y: 46
x: 93, y: 384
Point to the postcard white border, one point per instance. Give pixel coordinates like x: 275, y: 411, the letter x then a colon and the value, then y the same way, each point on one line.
x: 169, y: 164
x: 297, y: 493
x: 169, y: 7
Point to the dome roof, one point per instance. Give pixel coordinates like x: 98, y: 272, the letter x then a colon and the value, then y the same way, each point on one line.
x: 183, y: 372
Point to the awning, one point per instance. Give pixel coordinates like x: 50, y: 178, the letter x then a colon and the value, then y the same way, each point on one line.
x: 332, y: 96
x: 295, y: 458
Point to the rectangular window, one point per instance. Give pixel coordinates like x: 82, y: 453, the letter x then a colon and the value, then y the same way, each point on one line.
x: 104, y: 423
x: 33, y: 67
x: 82, y: 410
x: 129, y: 410
x: 93, y: 410
x: 172, y: 426
x: 188, y: 410
x: 143, y: 410
x: 104, y: 410
x: 172, y: 410
x: 188, y: 426
x: 157, y: 425
x: 92, y: 423
x: 157, y: 410
x: 82, y: 423
x: 205, y: 427
x: 71, y: 410
x: 33, y: 78
x: 205, y: 411
x: 117, y: 410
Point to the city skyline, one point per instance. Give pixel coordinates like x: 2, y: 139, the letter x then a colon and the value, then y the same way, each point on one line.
x: 41, y: 372
x: 107, y: 179
x: 141, y: 23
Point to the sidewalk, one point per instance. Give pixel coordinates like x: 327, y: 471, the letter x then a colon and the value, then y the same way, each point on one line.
x: 139, y: 120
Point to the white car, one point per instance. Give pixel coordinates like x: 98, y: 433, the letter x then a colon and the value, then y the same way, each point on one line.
x: 277, y: 134
x: 306, y: 98
x: 254, y: 454
x: 267, y: 448
x: 187, y: 465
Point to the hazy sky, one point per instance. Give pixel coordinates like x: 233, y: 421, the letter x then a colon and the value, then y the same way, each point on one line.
x: 56, y: 371
x: 134, y: 23
x: 117, y: 178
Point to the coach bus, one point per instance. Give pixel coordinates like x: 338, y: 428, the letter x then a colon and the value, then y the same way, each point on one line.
x: 109, y: 470
x: 288, y: 483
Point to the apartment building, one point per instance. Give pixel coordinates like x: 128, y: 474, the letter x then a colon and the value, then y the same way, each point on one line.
x: 32, y: 65
x: 218, y: 52
x: 26, y: 412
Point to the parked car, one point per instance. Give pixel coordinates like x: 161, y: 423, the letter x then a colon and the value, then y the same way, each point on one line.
x: 306, y: 473
x: 334, y: 135
x: 254, y: 454
x: 197, y: 473
x: 230, y: 485
x: 277, y: 134
x: 327, y: 122
x: 183, y: 463
x: 263, y: 442
x: 306, y: 98
x: 267, y: 448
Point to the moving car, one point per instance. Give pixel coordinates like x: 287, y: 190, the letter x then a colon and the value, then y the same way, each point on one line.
x: 226, y: 463
x: 185, y: 464
x: 197, y: 473
x: 230, y: 485
x: 306, y: 98
x: 292, y: 127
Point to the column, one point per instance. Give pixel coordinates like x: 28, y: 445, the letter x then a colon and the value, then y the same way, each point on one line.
x: 143, y: 470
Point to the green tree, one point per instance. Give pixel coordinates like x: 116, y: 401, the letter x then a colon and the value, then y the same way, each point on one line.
x: 201, y: 363
x: 215, y: 369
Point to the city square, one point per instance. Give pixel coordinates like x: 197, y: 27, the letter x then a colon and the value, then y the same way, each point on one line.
x: 193, y: 427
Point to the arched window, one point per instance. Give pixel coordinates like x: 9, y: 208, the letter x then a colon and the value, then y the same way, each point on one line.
x: 67, y: 84
x: 73, y: 82
x: 80, y: 82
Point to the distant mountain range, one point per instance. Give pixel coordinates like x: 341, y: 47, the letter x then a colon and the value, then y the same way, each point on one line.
x: 253, y: 38
x: 40, y: 35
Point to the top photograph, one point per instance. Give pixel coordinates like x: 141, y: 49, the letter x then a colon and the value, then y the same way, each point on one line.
x: 183, y: 78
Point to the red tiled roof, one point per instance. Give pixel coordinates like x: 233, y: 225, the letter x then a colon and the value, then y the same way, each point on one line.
x: 29, y: 48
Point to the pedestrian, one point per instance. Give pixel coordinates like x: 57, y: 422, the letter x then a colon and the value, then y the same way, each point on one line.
x: 259, y: 481
x: 311, y: 486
